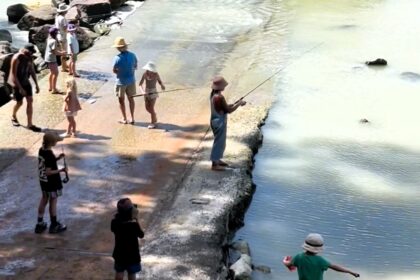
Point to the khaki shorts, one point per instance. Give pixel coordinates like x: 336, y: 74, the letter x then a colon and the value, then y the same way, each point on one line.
x: 73, y: 57
x: 121, y: 91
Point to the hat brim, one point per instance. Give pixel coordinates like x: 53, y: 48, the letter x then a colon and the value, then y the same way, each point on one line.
x: 149, y: 69
x: 219, y: 87
x: 312, y: 249
x: 120, y: 46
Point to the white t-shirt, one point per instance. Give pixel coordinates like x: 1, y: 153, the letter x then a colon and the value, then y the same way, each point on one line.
x: 49, y: 51
x: 61, y: 25
x: 72, y: 40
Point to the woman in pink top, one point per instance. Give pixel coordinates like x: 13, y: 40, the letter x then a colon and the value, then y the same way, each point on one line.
x: 71, y: 106
x: 151, y: 76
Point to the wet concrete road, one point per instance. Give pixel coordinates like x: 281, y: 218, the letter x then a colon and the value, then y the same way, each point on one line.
x: 107, y: 160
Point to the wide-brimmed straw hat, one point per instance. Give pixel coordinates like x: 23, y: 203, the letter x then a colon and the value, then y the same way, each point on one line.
x: 219, y: 83
x: 150, y: 66
x: 314, y: 243
x: 62, y: 8
x: 119, y: 42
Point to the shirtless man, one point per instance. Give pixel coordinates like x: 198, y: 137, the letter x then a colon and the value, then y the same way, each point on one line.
x: 21, y: 69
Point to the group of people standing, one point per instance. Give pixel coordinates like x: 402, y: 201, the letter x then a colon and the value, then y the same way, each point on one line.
x: 61, y: 45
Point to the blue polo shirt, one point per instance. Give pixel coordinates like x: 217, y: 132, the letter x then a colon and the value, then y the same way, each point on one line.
x: 126, y: 64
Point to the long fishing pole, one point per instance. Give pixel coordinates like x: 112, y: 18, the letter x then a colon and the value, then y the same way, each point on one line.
x: 279, y: 70
x: 171, y: 90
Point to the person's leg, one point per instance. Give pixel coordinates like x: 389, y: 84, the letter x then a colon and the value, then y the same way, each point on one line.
x: 152, y: 111
x: 53, y: 77
x: 132, y: 107
x: 73, y: 125
x: 70, y: 126
x: 16, y: 109
x: 53, y: 209
x: 42, y: 204
x: 122, y: 107
x: 29, y: 109
x: 132, y: 276
x: 50, y: 79
x: 119, y: 275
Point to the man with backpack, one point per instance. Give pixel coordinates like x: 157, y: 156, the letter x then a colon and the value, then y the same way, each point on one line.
x: 21, y: 69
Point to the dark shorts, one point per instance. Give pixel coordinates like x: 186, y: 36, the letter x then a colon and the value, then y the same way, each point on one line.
x: 18, y: 96
x: 131, y: 269
x: 52, y: 194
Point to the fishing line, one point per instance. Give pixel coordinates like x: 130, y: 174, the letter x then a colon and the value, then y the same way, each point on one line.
x: 171, y: 90
x: 279, y: 70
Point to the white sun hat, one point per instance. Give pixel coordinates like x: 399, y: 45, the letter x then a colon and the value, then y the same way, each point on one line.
x: 150, y: 66
x: 314, y: 243
x: 62, y: 8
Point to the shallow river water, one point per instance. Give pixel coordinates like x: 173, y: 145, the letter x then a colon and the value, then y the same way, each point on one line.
x: 319, y: 169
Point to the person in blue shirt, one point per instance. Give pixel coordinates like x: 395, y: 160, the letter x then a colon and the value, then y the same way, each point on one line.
x: 125, y: 65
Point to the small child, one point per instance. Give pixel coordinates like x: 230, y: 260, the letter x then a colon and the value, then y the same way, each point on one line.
x: 51, y: 185
x: 71, y: 106
x: 127, y: 230
x: 72, y: 49
x: 151, y: 76
x: 310, y: 266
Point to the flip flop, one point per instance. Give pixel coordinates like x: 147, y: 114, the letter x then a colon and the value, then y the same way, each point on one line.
x: 15, y: 122
x: 57, y: 92
x: 122, y: 121
x: 222, y: 163
x: 218, y: 167
x: 132, y: 122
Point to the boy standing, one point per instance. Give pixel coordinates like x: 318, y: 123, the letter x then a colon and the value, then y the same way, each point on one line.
x: 311, y: 266
x: 51, y: 186
x: 127, y: 231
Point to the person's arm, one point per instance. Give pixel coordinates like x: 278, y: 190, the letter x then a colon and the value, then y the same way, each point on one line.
x: 339, y: 268
x: 140, y: 233
x: 33, y: 75
x: 162, y: 86
x: 142, y: 81
x: 14, y: 67
x: 221, y: 104
x: 50, y: 172
x: 115, y: 67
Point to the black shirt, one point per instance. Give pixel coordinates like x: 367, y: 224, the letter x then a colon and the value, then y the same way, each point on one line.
x: 47, y: 159
x: 126, y: 250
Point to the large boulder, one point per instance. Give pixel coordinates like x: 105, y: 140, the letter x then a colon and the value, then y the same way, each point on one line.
x: 73, y: 15
x: 115, y: 4
x: 5, y: 35
x: 85, y: 37
x: 5, y: 47
x: 16, y: 12
x: 41, y: 16
x: 92, y: 11
x: 38, y: 36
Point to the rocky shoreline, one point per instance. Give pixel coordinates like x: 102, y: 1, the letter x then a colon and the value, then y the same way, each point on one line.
x: 192, y: 236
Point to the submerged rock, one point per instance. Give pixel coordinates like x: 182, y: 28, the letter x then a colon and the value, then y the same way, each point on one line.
x: 363, y: 121
x: 242, y: 246
x: 5, y: 35
x: 262, y: 268
x: 16, y: 12
x: 377, y: 62
x: 411, y: 76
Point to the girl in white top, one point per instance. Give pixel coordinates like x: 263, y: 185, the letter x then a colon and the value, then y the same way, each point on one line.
x: 151, y: 76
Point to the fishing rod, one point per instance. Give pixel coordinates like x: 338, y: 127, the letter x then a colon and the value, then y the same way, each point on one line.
x: 171, y: 90
x: 66, y: 174
x: 279, y: 70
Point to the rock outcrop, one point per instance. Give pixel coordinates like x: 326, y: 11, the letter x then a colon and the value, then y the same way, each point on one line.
x: 5, y: 35
x: 16, y: 12
x: 377, y: 62
x: 39, y: 17
x: 242, y: 269
x: 38, y: 36
x: 91, y: 11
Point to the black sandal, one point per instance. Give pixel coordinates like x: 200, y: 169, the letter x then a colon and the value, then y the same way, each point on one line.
x: 15, y: 122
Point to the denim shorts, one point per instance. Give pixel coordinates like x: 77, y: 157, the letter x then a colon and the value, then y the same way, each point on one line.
x: 131, y: 269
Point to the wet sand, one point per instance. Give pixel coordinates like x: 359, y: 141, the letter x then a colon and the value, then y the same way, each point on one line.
x: 160, y: 169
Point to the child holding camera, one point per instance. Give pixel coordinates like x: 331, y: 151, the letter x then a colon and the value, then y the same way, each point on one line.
x: 127, y: 230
